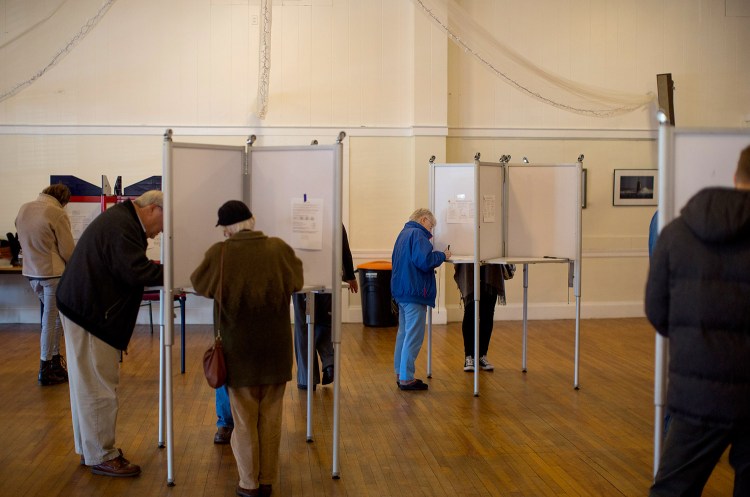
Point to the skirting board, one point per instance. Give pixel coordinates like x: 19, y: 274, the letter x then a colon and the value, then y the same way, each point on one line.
x: 201, y: 314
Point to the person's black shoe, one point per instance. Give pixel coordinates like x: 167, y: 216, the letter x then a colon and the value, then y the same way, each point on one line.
x: 415, y: 384
x: 327, y: 376
x: 48, y: 376
x: 223, y: 435
x: 59, y: 366
x: 245, y: 492
x: 304, y: 387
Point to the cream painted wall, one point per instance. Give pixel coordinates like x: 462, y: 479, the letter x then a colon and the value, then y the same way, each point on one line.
x: 614, y: 45
x: 382, y: 72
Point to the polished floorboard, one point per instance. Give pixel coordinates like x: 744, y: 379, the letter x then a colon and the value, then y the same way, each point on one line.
x: 526, y: 434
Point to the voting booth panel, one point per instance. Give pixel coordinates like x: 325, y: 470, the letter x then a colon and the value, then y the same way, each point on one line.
x: 703, y: 158
x: 453, y: 192
x: 293, y: 197
x: 543, y: 211
x: 461, y: 194
x: 203, y: 178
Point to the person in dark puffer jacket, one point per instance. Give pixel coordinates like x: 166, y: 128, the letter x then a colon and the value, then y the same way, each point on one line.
x: 698, y: 295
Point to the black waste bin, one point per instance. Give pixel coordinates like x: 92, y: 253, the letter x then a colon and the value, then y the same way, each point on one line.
x: 375, y: 290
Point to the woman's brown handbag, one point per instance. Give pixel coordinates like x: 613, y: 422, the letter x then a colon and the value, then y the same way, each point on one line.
x: 214, y: 366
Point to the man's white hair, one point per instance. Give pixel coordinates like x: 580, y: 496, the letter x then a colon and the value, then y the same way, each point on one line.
x: 151, y: 197
x: 247, y: 224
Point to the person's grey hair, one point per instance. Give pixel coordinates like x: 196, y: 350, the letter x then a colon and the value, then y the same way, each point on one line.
x: 422, y: 212
x: 151, y: 197
x: 247, y: 224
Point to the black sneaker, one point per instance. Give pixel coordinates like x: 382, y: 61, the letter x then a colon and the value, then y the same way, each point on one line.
x: 485, y: 364
x: 469, y: 364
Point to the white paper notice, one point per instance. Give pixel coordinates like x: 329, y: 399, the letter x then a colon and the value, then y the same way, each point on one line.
x: 460, y: 211
x: 488, y: 208
x: 307, y: 224
x: 81, y: 214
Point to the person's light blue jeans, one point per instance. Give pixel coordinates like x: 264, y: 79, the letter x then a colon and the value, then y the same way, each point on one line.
x: 46, y: 290
x: 411, y: 322
x: 223, y: 409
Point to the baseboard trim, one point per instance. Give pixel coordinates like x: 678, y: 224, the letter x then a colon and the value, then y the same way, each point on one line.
x: 198, y: 314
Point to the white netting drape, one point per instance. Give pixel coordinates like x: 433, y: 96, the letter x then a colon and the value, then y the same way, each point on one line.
x: 38, y: 35
x: 264, y: 66
x: 522, y: 74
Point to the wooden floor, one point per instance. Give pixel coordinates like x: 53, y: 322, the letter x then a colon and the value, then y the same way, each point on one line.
x: 526, y: 435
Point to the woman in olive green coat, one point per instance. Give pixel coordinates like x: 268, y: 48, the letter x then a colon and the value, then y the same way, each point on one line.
x: 258, y: 277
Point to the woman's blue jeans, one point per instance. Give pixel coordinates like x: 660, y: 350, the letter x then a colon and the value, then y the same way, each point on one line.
x: 223, y: 408
x: 411, y: 321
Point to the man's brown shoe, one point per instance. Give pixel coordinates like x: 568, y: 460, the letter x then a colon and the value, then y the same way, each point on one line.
x: 223, y: 435
x: 119, y: 466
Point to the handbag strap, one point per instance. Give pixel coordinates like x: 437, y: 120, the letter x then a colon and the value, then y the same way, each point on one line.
x: 221, y: 282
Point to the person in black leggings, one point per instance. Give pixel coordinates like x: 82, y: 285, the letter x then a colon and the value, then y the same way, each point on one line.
x: 492, y: 286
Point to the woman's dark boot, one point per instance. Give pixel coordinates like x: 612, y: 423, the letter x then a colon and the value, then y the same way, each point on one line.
x: 59, y: 366
x: 47, y: 374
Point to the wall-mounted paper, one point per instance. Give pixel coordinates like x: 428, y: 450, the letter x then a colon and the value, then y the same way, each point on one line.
x: 488, y: 208
x: 81, y: 214
x: 460, y: 211
x: 307, y: 224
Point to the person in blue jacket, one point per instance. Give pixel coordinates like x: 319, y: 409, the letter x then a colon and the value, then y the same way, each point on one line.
x: 413, y: 288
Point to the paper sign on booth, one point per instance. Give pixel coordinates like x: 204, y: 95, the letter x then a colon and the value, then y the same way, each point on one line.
x: 307, y: 223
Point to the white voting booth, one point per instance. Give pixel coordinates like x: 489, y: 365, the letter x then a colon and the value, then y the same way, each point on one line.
x: 293, y: 192
x: 689, y: 160
x: 502, y: 213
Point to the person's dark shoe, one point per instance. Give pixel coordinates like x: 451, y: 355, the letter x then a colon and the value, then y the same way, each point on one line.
x: 327, y: 376
x: 119, y: 466
x: 304, y: 387
x: 223, y: 435
x: 415, y: 384
x: 59, y: 366
x: 83, y: 460
x: 244, y: 492
x: 265, y: 490
x: 47, y: 375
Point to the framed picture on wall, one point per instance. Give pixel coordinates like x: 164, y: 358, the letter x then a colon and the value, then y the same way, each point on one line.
x: 635, y: 187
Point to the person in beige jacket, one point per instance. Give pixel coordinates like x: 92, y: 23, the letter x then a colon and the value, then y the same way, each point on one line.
x: 47, y: 243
